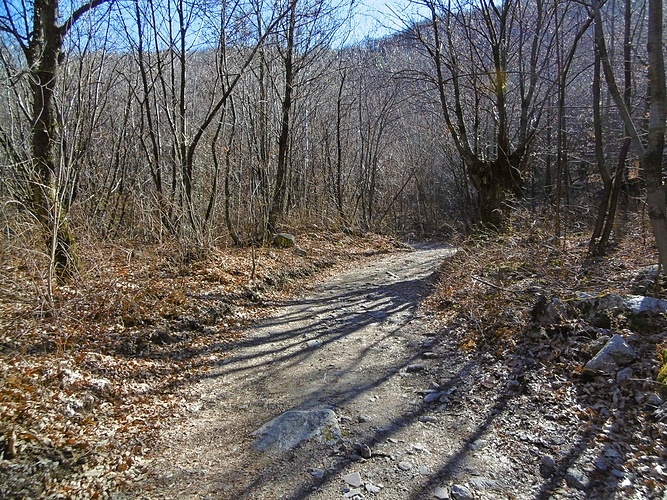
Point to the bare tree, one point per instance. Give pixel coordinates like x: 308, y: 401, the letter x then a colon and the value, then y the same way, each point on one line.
x: 650, y: 155
x: 175, y: 128
x: 37, y: 29
x: 488, y: 47
x: 309, y: 29
x: 612, y: 180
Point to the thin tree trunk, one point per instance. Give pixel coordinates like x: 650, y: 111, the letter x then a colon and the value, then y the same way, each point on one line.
x: 339, y: 152
x: 593, y: 246
x: 280, y: 190
x: 612, y: 189
x: 651, y: 155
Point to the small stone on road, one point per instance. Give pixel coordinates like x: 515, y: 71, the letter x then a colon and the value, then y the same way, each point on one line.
x: 372, y: 488
x: 441, y: 493
x: 576, y: 479
x: 316, y: 473
x: 353, y: 479
x: 460, y: 492
x: 405, y: 465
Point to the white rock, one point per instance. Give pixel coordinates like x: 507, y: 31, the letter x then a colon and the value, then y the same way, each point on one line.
x: 354, y: 493
x: 626, y: 483
x: 69, y: 378
x: 405, y: 465
x: 577, y: 479
x: 483, y: 483
x: 640, y: 304
x: 460, y: 492
x: 418, y: 447
x: 372, y: 488
x: 441, y: 493
x: 616, y: 352
x: 316, y: 473
x: 353, y: 479
x: 292, y: 427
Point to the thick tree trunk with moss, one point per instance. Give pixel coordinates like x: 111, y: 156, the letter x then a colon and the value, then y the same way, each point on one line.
x: 42, y: 48
x: 496, y: 183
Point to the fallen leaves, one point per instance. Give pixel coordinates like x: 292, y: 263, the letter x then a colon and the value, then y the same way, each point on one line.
x: 90, y: 373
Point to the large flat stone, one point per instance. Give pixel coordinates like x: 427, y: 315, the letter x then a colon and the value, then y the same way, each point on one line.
x: 293, y: 427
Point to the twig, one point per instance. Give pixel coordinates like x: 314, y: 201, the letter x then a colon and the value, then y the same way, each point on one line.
x: 491, y: 284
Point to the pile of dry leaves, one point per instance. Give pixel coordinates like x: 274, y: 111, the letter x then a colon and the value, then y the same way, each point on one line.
x: 90, y: 369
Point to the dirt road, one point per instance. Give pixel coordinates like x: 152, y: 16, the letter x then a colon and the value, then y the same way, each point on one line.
x: 359, y: 346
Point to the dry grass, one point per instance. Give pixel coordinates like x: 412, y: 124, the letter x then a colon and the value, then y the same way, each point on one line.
x: 494, y: 281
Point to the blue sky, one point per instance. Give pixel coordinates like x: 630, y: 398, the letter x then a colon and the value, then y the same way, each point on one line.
x: 376, y: 18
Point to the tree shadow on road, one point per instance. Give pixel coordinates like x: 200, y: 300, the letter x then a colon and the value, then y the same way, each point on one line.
x: 330, y: 326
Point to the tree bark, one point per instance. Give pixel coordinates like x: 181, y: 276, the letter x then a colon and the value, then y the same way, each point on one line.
x: 496, y: 182
x: 612, y: 187
x: 280, y: 189
x: 42, y: 47
x: 42, y: 55
x: 651, y: 156
x: 593, y: 246
x: 655, y: 143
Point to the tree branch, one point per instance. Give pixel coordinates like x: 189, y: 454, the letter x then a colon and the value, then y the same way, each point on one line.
x: 76, y: 15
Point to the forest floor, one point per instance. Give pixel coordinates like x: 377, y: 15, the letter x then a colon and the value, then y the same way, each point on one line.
x: 151, y: 382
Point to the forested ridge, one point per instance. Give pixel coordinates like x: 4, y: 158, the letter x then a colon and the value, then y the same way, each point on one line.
x: 151, y: 151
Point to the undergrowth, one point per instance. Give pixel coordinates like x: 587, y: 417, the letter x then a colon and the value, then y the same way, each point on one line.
x: 494, y: 281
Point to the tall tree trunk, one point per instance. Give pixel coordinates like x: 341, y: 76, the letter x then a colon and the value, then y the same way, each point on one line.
x: 593, y: 246
x: 612, y: 187
x: 42, y: 54
x: 338, y: 184
x: 655, y: 144
x: 651, y: 155
x: 280, y: 189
